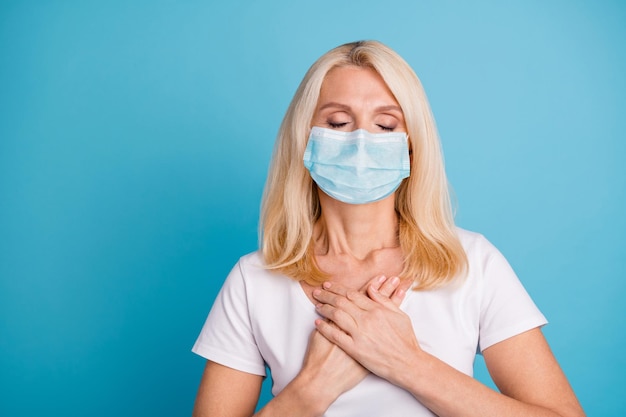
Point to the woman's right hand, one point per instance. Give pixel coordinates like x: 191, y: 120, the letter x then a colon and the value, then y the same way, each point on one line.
x: 327, y: 371
x: 328, y: 368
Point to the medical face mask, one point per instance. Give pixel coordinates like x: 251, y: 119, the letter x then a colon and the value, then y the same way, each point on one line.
x: 357, y: 167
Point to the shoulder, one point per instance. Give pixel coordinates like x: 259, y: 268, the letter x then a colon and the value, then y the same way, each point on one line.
x: 252, y: 270
x: 475, y: 244
x: 485, y: 261
x: 252, y: 262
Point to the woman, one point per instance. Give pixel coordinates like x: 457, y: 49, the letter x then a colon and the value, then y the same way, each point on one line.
x: 364, y: 299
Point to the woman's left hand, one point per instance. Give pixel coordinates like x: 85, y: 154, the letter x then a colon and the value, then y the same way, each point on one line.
x: 368, y: 327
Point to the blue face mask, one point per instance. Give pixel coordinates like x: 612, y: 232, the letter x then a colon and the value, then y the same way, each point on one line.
x: 357, y: 167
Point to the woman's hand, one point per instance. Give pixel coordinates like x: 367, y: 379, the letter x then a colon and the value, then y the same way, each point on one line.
x: 329, y: 370
x: 326, y: 366
x: 369, y: 327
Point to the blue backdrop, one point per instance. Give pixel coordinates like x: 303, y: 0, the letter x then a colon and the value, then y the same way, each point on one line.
x: 135, y: 138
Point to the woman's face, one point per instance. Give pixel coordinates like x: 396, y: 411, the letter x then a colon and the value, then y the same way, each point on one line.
x: 354, y: 98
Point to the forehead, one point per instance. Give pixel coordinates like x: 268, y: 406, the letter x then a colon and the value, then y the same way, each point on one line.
x: 353, y: 81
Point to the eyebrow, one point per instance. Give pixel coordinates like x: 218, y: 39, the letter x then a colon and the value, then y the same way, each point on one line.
x: 344, y: 107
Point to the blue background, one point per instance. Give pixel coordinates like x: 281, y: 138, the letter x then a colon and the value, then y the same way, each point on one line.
x: 135, y: 138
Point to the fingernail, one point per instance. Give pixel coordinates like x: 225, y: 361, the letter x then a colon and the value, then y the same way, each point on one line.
x: 326, y: 284
x: 316, y: 292
x: 395, y: 280
x: 382, y: 279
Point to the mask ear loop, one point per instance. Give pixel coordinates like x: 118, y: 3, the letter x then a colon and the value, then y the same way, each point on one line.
x: 408, y: 141
x: 306, y: 142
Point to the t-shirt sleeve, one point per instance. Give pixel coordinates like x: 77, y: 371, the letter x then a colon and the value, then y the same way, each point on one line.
x: 506, y: 308
x: 227, y: 337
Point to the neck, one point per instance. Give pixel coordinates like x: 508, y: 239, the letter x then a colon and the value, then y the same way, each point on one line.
x: 356, y: 230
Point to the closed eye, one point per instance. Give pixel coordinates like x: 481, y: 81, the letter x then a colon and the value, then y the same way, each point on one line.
x: 385, y: 128
x: 336, y: 125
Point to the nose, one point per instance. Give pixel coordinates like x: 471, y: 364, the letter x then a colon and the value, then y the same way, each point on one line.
x: 362, y: 123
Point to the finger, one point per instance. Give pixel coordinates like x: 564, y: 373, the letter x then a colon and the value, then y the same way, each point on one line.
x: 397, y: 296
x: 392, y: 288
x: 338, y: 317
x: 342, y: 297
x: 350, y: 301
x: 381, y: 299
x: 389, y: 286
x: 400, y: 293
x: 376, y: 282
x: 334, y: 335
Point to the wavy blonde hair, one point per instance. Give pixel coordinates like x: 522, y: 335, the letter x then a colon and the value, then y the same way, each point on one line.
x: 433, y: 254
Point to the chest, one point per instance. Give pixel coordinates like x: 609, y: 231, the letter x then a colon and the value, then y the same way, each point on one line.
x: 353, y: 273
x: 446, y: 324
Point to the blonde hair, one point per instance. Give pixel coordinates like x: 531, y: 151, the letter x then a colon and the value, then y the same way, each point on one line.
x: 433, y: 254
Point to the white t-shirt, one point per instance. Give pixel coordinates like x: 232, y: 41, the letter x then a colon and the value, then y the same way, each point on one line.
x: 264, y: 318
